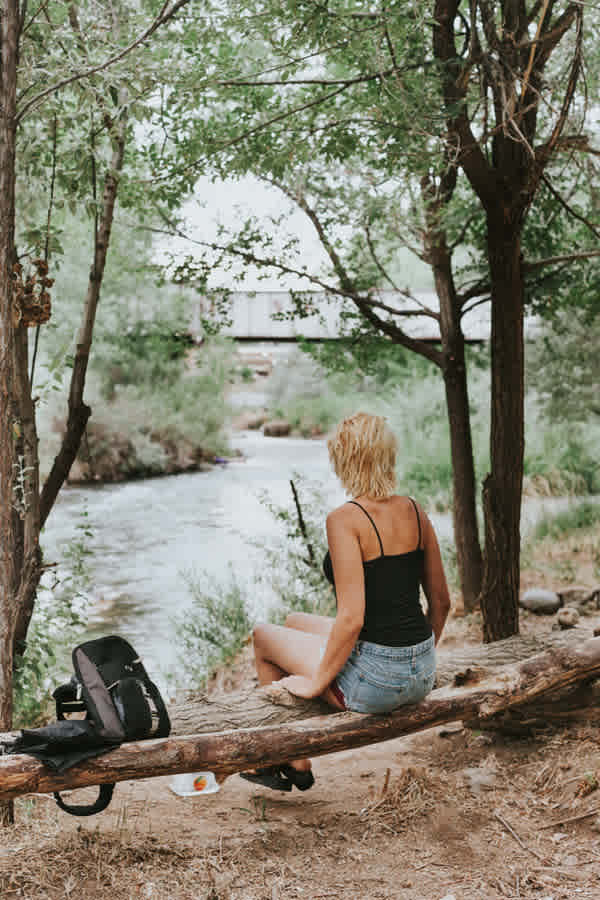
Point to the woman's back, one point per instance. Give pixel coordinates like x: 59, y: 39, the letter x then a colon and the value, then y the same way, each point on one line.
x: 390, y: 537
x: 396, y: 520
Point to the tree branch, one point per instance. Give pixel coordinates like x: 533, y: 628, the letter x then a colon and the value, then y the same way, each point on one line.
x: 164, y: 16
x: 542, y: 153
x: 321, y: 81
x: 79, y: 412
x: 272, y: 121
x: 555, y: 260
x: 469, y: 154
x: 569, y: 208
x: 346, y: 291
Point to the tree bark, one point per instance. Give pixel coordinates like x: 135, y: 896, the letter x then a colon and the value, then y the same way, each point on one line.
x: 503, y: 486
x: 226, y: 752
x: 79, y: 412
x: 464, y: 510
x: 8, y: 97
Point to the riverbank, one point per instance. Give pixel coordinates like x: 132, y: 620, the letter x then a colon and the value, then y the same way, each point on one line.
x: 447, y: 813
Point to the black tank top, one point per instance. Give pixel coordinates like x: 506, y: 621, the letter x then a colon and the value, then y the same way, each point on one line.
x: 393, y: 614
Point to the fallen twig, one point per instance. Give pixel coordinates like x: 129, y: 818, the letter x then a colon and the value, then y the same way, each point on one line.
x: 516, y: 837
x: 583, y: 815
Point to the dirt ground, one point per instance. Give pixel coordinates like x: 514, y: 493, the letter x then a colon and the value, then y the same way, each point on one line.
x: 447, y: 814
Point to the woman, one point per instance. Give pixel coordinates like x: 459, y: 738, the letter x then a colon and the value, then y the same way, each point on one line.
x: 378, y: 653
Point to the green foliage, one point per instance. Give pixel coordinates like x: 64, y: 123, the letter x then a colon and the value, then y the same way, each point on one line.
x: 57, y: 625
x: 190, y: 407
x: 560, y: 456
x: 146, y: 352
x: 215, y: 627
x: 564, y: 365
x: 306, y: 395
x: 578, y: 516
x: 293, y: 572
x: 220, y: 619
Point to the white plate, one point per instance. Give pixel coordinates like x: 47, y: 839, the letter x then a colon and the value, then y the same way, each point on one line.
x: 194, y: 784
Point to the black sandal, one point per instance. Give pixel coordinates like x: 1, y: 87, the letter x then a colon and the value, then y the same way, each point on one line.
x: 281, y: 778
x: 303, y: 779
x: 270, y: 777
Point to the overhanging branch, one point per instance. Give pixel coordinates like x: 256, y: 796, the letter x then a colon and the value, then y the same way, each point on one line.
x: 164, y: 16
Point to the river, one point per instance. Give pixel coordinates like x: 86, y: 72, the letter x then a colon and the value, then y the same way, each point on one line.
x: 145, y: 535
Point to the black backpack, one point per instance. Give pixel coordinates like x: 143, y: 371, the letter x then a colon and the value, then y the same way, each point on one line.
x: 120, y: 702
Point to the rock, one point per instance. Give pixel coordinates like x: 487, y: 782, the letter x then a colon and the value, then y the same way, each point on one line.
x: 277, y: 428
x: 568, y: 617
x: 251, y: 421
x: 540, y: 601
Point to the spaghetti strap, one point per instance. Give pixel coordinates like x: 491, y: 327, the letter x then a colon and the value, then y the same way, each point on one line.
x: 372, y: 523
x: 418, y: 547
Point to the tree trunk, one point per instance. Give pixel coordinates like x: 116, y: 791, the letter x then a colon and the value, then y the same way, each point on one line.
x: 79, y: 412
x: 503, y: 486
x: 225, y: 752
x: 464, y: 510
x: 9, y: 37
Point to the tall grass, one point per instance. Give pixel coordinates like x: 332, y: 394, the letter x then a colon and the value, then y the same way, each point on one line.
x: 577, y: 517
x: 560, y: 457
x: 218, y: 623
x: 214, y: 628
x: 293, y: 573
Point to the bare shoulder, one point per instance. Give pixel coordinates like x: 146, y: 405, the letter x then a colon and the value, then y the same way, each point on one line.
x: 339, y: 514
x: 340, y: 519
x: 408, y: 505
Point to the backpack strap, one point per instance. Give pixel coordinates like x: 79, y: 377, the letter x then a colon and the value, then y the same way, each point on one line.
x: 68, y: 699
x: 164, y: 723
x: 105, y: 792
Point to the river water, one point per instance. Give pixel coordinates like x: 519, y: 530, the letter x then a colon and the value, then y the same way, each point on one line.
x: 145, y: 535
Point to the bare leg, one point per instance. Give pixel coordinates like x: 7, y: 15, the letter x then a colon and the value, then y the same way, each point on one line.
x: 280, y: 651
x: 310, y: 622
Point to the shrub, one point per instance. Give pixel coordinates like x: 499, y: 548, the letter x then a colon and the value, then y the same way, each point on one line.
x: 56, y: 626
x: 576, y: 517
x: 215, y: 627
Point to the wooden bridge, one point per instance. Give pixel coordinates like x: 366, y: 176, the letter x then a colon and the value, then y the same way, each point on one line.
x: 265, y: 316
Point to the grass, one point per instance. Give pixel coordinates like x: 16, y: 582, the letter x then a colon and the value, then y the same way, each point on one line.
x: 214, y: 629
x: 578, y: 516
x: 560, y: 457
x: 221, y: 616
x: 564, y: 548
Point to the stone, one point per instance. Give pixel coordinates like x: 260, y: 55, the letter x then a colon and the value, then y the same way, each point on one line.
x: 540, y: 601
x: 568, y: 617
x: 277, y: 428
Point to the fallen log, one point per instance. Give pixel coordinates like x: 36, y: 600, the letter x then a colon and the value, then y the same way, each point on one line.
x: 248, y: 707
x: 226, y: 752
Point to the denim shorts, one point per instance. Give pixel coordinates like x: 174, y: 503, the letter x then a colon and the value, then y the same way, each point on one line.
x: 377, y: 679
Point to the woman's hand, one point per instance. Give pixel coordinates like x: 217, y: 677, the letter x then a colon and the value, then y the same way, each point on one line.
x: 300, y: 686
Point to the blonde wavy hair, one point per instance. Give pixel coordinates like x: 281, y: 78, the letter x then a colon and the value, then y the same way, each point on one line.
x: 362, y: 451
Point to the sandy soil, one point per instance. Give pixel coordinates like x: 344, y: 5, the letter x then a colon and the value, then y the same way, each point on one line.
x: 448, y: 813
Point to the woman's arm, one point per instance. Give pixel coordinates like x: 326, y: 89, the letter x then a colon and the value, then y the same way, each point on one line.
x: 346, y: 559
x: 434, y: 580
